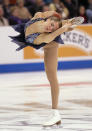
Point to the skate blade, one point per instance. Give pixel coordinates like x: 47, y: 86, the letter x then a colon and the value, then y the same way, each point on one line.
x: 56, y: 124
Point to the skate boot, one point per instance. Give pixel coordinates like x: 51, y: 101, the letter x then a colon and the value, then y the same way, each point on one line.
x: 54, y: 120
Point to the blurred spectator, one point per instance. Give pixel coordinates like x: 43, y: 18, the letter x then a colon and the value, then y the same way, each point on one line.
x: 45, y: 8
x: 82, y: 12
x: 60, y: 8
x: 71, y: 8
x: 6, y: 8
x: 14, y: 17
x: 52, y: 7
x: 23, y: 11
x: 39, y: 5
x: 17, y: 11
x: 47, y: 1
x: 12, y: 2
x: 3, y: 21
x: 1, y: 1
x: 57, y: 5
x: 83, y: 2
x: 30, y: 1
x: 31, y: 6
x: 89, y: 11
x: 89, y: 15
x: 65, y: 11
x: 90, y: 4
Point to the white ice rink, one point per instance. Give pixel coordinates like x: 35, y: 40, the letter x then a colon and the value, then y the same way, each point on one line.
x: 25, y: 101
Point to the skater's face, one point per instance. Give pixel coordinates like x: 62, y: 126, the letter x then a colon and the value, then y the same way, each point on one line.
x: 51, y: 25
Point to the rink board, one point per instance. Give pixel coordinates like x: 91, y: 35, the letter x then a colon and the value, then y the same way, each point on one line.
x: 76, y: 53
x: 27, y: 67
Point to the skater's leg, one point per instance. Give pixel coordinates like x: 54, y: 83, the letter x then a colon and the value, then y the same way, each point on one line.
x: 50, y: 60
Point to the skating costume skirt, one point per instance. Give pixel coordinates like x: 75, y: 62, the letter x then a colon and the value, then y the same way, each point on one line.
x: 24, y: 41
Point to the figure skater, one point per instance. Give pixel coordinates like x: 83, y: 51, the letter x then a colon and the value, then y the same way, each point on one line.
x: 44, y: 30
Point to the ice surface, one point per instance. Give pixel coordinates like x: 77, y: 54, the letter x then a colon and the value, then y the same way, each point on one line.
x: 25, y: 101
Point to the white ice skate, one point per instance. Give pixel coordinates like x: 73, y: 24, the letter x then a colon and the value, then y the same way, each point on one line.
x: 54, y: 120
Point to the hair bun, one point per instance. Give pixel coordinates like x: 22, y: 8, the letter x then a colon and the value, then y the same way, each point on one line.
x: 57, y: 15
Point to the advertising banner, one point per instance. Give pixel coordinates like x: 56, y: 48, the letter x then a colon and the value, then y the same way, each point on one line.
x: 78, y: 43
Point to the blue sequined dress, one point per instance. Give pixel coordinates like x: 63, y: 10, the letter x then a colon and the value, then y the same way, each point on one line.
x: 24, y: 41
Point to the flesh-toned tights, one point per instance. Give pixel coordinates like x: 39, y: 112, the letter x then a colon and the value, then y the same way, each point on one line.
x: 50, y: 60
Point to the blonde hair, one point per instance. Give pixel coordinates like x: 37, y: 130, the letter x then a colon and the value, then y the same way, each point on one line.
x: 57, y: 20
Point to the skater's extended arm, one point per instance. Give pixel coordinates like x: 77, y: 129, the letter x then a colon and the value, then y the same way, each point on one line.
x: 67, y: 21
x: 48, y: 37
x: 46, y: 14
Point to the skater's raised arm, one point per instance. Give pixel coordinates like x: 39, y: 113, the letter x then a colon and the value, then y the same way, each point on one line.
x: 48, y: 37
x: 67, y: 21
x: 46, y: 14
